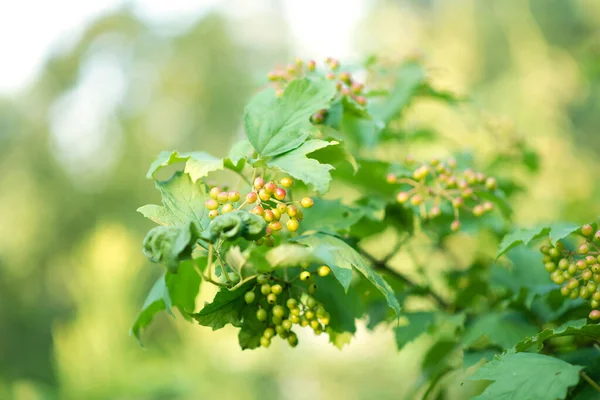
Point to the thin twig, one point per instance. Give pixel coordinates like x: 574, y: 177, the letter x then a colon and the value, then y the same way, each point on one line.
x: 589, y: 380
x: 378, y: 264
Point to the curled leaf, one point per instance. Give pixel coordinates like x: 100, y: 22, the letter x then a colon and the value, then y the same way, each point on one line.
x: 169, y: 245
x: 237, y: 224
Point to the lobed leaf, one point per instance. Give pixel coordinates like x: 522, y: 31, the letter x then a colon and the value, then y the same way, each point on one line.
x: 226, y: 308
x: 571, y: 328
x: 198, y: 164
x: 556, y: 231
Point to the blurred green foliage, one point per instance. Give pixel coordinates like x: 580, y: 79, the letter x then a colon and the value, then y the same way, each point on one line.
x: 71, y: 269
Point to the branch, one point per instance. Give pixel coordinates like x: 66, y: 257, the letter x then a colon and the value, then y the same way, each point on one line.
x: 589, y: 380
x: 379, y: 264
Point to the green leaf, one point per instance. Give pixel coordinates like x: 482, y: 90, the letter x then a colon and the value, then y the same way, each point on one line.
x: 361, y: 130
x: 169, y: 245
x: 235, y: 259
x: 342, y: 258
x: 570, y: 328
x: 555, y: 231
x: 235, y: 224
x: 527, y: 376
x: 330, y: 216
x: 418, y: 323
x: 308, y: 170
x: 239, y: 151
x: 292, y: 255
x: 344, y: 307
x: 502, y: 329
x: 226, y: 308
x: 277, y: 125
x: 251, y: 330
x: 410, y: 77
x: 197, y: 164
x: 183, y: 201
x: 153, y: 304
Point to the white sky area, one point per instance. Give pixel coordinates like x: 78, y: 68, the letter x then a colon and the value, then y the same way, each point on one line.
x: 30, y: 29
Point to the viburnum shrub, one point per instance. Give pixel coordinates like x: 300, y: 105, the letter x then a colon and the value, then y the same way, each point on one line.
x: 339, y: 205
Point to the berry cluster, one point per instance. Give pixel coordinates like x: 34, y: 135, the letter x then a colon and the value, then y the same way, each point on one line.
x: 436, y: 184
x: 280, y: 309
x: 268, y: 201
x: 346, y: 85
x: 577, y: 271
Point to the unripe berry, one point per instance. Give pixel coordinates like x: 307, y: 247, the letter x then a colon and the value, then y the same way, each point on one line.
x: 345, y: 77
x: 271, y: 298
x: 597, y: 235
x: 491, y: 183
x: 361, y: 100
x: 584, y: 293
x: 262, y: 279
x: 268, y: 216
x: 275, y: 226
x: 265, y: 342
x: 211, y: 204
x: 304, y: 275
x: 281, y: 208
x: 581, y: 265
x: 596, y: 268
x: 416, y: 200
x: 309, y: 315
x: 574, y: 294
x: 323, y: 270
x: 277, y: 321
x: 269, y: 241
x: 293, y: 340
x: 251, y: 197
x: 307, y: 202
x: 214, y: 192
x: 278, y: 311
x: 478, y: 210
x: 270, y: 187
x: 311, y: 65
x: 587, y: 275
x: 265, y: 289
x: 223, y: 197
x: 546, y: 259
x: 259, y: 182
x: 584, y: 248
x: 550, y: 266
x: 455, y: 226
x: 279, y: 329
x: 315, y: 324
x: 590, y: 260
x: 227, y: 208
x: 330, y: 76
x: 286, y: 324
x: 564, y: 290
x: 299, y: 215
x: 261, y: 314
x: 467, y: 193
x: 295, y: 311
x: 488, y: 206
x: 295, y: 319
x: 258, y: 210
x: 318, y: 118
x: 572, y: 269
x: 233, y: 196
x: 435, y: 212
x: 292, y: 225
x: 286, y: 182
x: 264, y: 195
x: 402, y: 197
x: 596, y: 296
x: 276, y: 214
x: 312, y: 288
x: 591, y: 287
x: 276, y: 289
x: 325, y: 319
x: 269, y: 333
x: 545, y: 249
x: 357, y: 87
x: 249, y: 297
x: 279, y: 193
x: 573, y: 283
x: 213, y: 214
x: 421, y: 173
x: 594, y: 315
x: 554, y: 252
x: 563, y: 264
x: 587, y: 230
x: 291, y: 303
x: 458, y: 202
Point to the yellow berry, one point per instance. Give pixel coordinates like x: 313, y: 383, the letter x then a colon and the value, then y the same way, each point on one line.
x: 323, y: 270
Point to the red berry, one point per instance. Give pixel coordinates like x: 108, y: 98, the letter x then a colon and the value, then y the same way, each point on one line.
x: 270, y: 187
x: 594, y: 315
x: 362, y: 100
x: 251, y: 197
x: 310, y: 65
x: 280, y: 194
x: 402, y: 197
x: 259, y: 182
x: 455, y: 226
x: 390, y: 178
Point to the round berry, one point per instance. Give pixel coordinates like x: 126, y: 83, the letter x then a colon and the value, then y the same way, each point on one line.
x: 361, y: 100
x: 416, y: 200
x: 292, y: 211
x: 276, y: 214
x: 265, y: 289
x: 264, y: 195
x: 597, y: 235
x: 286, y: 182
x: 573, y: 283
x: 565, y: 291
x: 211, y: 204
x: 572, y: 270
x: 402, y: 197
x: 304, y: 275
x: 278, y: 311
x: 294, y: 318
x: 270, y: 187
x: 270, y: 241
x: 279, y: 193
x: 554, y: 252
x: 307, y: 202
x: 234, y: 196
x: 587, y: 230
x: 312, y: 288
x: 295, y: 311
x: 259, y: 183
x: 286, y: 324
x: 258, y: 210
x: 276, y: 289
x: 214, y: 192
x: 458, y: 202
x: 251, y: 197
x: 265, y: 342
x: 390, y: 178
x: 227, y: 208
x: 275, y: 226
x: 478, y: 210
x: 491, y: 183
x: 309, y: 315
x: 550, y: 266
x: 281, y: 208
x: 545, y: 249
x: 467, y: 193
x: 455, y: 226
x: 315, y: 324
x: 435, y: 212
x: 293, y: 340
x: 277, y: 321
x: 261, y: 314
x: 249, y: 297
x: 311, y: 302
x: 581, y: 265
x: 262, y: 279
x: 269, y: 333
x: 563, y: 264
x: 268, y: 216
x: 223, y: 197
x: 311, y: 65
x: 583, y: 248
x: 590, y: 260
x: 325, y: 319
x: 292, y: 303
x: 212, y: 214
x: 292, y: 225
x: 488, y: 206
x: 323, y: 270
x: 271, y: 298
x: 587, y: 275
x: 594, y: 315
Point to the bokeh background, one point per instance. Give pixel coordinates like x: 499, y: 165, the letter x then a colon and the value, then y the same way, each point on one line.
x: 90, y: 92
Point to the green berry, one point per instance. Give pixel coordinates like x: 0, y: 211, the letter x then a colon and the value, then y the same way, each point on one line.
x: 596, y: 296
x: 597, y: 235
x: 591, y: 287
x: 587, y: 230
x: 587, y: 275
x: 295, y: 311
x: 265, y: 342
x: 572, y: 269
x: 478, y: 210
x: 286, y: 324
x: 545, y: 249
x: 491, y: 184
x: 271, y: 298
x: 304, y: 275
x: 276, y: 289
x: 574, y: 294
x: 261, y: 314
x: 278, y: 311
x: 265, y: 289
x: 262, y: 279
x: 594, y: 303
x: 291, y: 303
x: 311, y: 302
x: 315, y: 324
x: 584, y: 248
x: 312, y: 288
x: 594, y: 315
x: 584, y: 293
x: 554, y: 252
x: 455, y: 226
x: 264, y: 195
x: 581, y: 265
x: 564, y: 290
x: 279, y: 329
x: 294, y: 318
x: 573, y: 283
x: 590, y: 260
x: 309, y: 314
x: 249, y: 297
x: 276, y: 320
x: 416, y: 200
x: 293, y: 340
x: 269, y: 333
x: 563, y: 264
